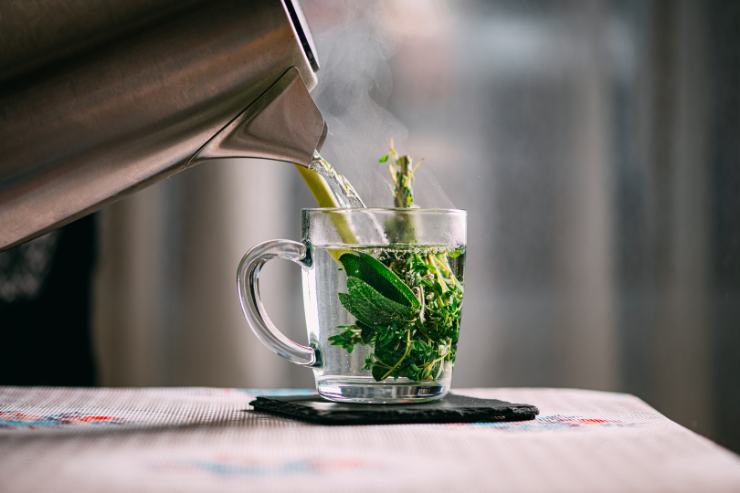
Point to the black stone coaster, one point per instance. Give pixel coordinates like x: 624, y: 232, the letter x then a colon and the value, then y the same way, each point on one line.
x: 452, y: 408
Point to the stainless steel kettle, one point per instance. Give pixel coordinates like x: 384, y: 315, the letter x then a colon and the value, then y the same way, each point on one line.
x: 99, y: 99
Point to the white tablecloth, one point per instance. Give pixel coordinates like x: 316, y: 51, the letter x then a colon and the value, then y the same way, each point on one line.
x: 205, y: 439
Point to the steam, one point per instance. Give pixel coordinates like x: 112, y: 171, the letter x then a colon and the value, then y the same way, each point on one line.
x: 353, y: 94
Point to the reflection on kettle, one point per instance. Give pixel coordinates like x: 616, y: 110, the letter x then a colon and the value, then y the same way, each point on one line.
x: 120, y: 98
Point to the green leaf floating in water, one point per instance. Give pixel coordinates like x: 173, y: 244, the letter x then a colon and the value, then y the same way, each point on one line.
x: 367, y: 268
x: 371, y: 308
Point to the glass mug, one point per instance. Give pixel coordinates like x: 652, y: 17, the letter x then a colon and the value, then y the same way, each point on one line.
x: 382, y: 295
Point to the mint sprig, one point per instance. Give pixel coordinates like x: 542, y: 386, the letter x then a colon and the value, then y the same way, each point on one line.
x: 407, y: 302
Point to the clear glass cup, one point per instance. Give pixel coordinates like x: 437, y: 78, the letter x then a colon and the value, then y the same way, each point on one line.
x: 382, y: 295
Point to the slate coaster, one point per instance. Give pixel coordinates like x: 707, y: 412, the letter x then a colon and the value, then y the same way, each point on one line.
x: 452, y: 408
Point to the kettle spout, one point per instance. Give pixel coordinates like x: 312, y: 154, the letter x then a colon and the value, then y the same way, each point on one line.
x: 283, y: 124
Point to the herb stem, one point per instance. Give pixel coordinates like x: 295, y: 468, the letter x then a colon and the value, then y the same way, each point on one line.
x: 325, y: 198
x: 446, y: 268
x: 405, y: 355
x: 440, y: 278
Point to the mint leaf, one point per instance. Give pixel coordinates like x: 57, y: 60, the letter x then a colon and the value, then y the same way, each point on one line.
x: 381, y: 278
x: 371, y: 308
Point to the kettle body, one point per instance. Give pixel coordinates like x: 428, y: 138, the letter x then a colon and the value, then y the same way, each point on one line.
x: 97, y: 103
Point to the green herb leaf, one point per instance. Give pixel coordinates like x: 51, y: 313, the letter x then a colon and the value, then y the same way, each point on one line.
x: 347, y: 339
x: 373, y: 272
x: 378, y: 372
x: 370, y: 307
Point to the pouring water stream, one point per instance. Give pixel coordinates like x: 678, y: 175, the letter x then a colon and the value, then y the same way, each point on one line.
x: 332, y: 189
x: 341, y: 189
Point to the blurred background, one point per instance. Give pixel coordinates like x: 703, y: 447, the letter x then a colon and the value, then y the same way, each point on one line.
x: 595, y: 146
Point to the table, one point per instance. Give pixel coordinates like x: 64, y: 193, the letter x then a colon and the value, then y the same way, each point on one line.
x: 208, y: 439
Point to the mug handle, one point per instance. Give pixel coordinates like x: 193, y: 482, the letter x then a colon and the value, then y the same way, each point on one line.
x: 247, y: 280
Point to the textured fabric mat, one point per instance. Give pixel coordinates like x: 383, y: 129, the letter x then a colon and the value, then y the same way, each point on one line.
x: 201, y: 439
